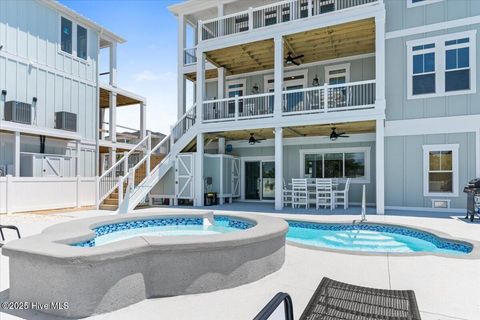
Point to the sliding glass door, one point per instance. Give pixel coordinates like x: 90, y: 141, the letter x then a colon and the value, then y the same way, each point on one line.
x: 259, y: 180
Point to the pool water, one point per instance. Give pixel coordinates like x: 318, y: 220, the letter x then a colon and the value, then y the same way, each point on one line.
x: 372, y: 238
x: 163, y: 231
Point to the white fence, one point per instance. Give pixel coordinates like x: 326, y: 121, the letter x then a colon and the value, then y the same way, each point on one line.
x: 20, y: 194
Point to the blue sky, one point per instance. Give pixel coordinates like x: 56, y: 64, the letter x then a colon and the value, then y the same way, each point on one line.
x: 147, y: 62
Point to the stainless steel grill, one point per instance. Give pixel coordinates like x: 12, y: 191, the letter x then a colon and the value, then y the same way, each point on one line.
x: 472, y: 189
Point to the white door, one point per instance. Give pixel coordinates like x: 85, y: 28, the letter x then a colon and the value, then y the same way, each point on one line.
x: 52, y: 166
x: 235, y: 177
x: 184, y: 181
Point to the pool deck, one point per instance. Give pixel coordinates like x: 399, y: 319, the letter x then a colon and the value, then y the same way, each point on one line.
x: 446, y: 288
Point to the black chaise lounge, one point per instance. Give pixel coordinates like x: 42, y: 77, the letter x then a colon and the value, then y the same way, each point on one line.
x: 8, y: 227
x: 335, y: 300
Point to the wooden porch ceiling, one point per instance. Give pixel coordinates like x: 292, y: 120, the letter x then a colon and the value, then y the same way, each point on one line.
x: 299, y: 131
x: 327, y: 43
x: 122, y: 100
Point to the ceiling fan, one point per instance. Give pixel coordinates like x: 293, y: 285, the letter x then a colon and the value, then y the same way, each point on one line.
x: 334, y: 135
x: 252, y: 140
x: 291, y: 59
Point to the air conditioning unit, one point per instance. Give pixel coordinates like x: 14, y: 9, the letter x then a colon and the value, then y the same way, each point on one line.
x: 19, y: 112
x: 66, y: 121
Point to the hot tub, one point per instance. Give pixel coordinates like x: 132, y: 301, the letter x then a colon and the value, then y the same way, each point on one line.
x: 66, y: 264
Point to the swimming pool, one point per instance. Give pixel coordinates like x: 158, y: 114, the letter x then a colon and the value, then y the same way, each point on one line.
x: 376, y: 238
x: 164, y: 227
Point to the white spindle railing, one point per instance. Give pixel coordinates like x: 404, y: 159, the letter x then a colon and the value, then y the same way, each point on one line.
x: 184, y: 124
x: 272, y: 14
x: 108, y: 181
x: 190, y: 56
x: 330, y: 98
x: 239, y: 107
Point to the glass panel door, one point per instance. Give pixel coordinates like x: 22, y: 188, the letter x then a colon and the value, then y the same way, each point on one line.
x: 252, y: 180
x: 268, y: 180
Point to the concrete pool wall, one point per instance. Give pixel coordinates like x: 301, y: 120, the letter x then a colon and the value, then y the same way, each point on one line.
x: 45, y: 269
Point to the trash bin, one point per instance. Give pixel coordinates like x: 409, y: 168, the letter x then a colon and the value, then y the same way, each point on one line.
x: 211, y: 199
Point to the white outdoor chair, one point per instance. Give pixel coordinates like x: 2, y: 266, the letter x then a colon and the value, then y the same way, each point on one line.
x: 299, y: 193
x: 341, y: 196
x: 324, y: 193
x: 287, y: 194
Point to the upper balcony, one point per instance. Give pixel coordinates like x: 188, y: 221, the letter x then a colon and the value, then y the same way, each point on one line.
x: 255, y: 18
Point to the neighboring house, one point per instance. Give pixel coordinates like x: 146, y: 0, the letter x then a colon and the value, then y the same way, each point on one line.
x: 52, y: 106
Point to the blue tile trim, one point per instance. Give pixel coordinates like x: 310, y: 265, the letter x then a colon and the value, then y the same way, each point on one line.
x: 438, y: 242
x: 234, y: 223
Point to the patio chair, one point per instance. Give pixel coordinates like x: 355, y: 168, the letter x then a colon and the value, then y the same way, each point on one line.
x: 341, y: 196
x: 338, y: 300
x: 299, y: 193
x: 8, y: 227
x: 324, y: 193
x: 287, y: 194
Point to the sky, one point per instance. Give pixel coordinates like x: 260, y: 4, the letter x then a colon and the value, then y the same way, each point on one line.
x: 147, y: 62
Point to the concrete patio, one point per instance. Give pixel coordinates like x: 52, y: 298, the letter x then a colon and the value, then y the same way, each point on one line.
x: 446, y: 288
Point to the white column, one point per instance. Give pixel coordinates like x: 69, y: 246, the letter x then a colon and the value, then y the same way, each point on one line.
x: 199, y: 184
x: 101, y: 135
x: 380, y: 60
x: 380, y: 165
x: 181, y: 43
x: 278, y: 75
x: 113, y: 157
x: 113, y: 64
x: 200, y: 83
x: 112, y: 112
x: 221, y: 145
x: 221, y: 83
x: 17, y: 154
x: 78, y: 156
x: 143, y: 120
x: 220, y: 23
x: 278, y: 168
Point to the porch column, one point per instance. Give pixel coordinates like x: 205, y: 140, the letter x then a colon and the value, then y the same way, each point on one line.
x: 380, y: 61
x: 199, y: 171
x: 200, y: 83
x: 113, y: 157
x: 380, y: 165
x: 112, y: 113
x: 220, y: 12
x: 102, y: 120
x: 221, y: 83
x: 278, y: 75
x: 17, y: 154
x: 113, y: 64
x: 181, y: 43
x: 278, y: 168
x: 78, y: 154
x: 221, y: 145
x: 143, y: 120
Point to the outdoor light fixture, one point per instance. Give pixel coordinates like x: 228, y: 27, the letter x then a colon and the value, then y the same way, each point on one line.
x: 34, y: 99
x: 255, y: 89
x: 4, y: 92
x: 315, y: 81
x: 1, y: 47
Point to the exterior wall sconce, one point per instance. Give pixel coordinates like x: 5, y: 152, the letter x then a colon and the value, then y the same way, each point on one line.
x: 34, y: 99
x: 315, y: 81
x: 4, y: 92
x: 255, y: 89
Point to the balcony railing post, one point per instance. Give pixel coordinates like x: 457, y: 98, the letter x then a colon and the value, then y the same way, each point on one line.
x: 237, y: 109
x: 310, y: 7
x: 325, y: 97
x: 250, y: 18
x: 199, y: 31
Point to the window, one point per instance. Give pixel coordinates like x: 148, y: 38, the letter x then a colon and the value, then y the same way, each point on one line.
x: 66, y: 35
x: 336, y: 163
x: 337, y: 74
x: 81, y: 42
x: 416, y: 3
x: 235, y: 88
x: 441, y: 66
x: 440, y: 170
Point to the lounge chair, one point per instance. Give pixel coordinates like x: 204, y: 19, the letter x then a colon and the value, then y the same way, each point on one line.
x: 338, y: 300
x: 8, y: 227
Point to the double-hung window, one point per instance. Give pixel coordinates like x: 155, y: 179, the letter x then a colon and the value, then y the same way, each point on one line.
x: 442, y: 65
x: 440, y: 164
x: 70, y: 31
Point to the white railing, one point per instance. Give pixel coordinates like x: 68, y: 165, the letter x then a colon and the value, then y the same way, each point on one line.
x: 184, y: 123
x: 108, y: 181
x: 190, y: 56
x: 239, y: 107
x: 272, y: 14
x: 330, y: 98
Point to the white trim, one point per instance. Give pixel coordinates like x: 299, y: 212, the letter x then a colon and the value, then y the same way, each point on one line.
x: 410, y: 3
x: 440, y: 69
x: 433, y: 27
x: 365, y: 150
x: 74, y: 54
x: 345, y: 66
x: 426, y: 168
x: 439, y: 125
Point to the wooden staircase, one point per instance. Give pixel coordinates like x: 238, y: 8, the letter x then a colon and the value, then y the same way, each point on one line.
x: 111, y: 202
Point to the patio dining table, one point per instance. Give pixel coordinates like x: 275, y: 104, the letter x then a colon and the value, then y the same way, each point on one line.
x: 311, y: 185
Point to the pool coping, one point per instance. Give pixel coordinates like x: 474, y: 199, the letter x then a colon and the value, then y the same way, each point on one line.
x: 474, y: 254
x: 54, y: 241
